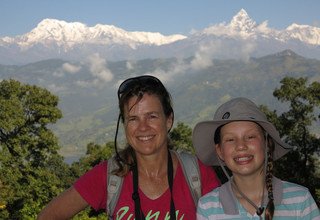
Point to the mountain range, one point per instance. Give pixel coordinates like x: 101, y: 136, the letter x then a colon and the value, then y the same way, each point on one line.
x: 84, y: 66
x: 240, y: 38
x: 87, y: 90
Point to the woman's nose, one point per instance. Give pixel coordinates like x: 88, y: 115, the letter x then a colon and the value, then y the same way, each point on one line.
x: 143, y: 124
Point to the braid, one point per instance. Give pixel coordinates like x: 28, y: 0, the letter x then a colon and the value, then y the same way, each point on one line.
x: 270, y: 206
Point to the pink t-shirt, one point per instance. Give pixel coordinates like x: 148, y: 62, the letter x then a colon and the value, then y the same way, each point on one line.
x: 92, y: 187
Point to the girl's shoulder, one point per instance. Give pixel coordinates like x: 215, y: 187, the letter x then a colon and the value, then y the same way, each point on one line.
x: 214, y: 195
x: 290, y: 187
x: 293, y: 194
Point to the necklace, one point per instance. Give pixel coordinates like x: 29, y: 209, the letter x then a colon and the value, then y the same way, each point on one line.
x: 259, y: 210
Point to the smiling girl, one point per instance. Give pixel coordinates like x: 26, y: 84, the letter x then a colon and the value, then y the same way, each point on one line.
x: 241, y: 138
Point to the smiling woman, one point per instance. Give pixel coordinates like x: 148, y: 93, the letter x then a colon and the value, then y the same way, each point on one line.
x: 152, y: 173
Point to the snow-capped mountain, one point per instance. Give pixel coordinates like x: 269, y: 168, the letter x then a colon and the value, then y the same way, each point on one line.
x: 243, y: 26
x: 70, y: 34
x: 241, y: 37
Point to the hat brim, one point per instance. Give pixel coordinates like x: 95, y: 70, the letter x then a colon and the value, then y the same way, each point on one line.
x: 203, y: 140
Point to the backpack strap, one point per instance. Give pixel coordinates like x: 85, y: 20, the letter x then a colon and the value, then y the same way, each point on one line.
x: 190, y: 168
x: 191, y: 171
x: 114, y: 185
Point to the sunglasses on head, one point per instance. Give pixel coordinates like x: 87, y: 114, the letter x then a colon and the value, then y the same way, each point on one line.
x: 131, y: 83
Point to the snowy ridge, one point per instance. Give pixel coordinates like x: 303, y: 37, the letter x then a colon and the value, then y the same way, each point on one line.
x: 242, y: 36
x: 304, y: 33
x: 68, y: 34
x: 244, y: 27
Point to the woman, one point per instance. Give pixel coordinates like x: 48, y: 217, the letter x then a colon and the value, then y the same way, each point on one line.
x: 154, y: 186
x: 241, y: 138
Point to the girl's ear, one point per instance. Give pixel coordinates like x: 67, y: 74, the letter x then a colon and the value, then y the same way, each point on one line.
x: 219, y: 151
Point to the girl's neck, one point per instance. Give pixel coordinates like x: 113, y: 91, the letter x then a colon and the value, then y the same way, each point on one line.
x: 251, y: 186
x: 250, y: 192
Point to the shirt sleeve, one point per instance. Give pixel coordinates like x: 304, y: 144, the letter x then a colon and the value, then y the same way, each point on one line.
x: 92, y: 186
x: 209, y: 179
x: 309, y: 209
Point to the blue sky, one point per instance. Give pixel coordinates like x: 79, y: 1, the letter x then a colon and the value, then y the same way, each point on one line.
x: 18, y: 17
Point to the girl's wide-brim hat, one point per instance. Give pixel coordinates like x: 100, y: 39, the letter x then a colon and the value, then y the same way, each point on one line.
x: 238, y: 109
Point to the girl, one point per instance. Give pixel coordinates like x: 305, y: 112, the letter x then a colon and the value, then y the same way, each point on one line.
x: 241, y: 138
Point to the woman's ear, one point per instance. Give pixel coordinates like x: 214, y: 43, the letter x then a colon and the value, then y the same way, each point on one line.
x: 169, y: 122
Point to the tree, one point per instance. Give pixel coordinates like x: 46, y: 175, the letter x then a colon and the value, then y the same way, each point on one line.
x: 30, y: 165
x: 181, y: 137
x: 94, y: 155
x: 294, y: 125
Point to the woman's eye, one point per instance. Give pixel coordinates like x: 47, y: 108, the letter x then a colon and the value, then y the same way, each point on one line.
x: 131, y: 119
x: 153, y: 116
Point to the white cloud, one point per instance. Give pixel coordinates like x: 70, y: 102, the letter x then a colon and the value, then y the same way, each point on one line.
x: 70, y: 68
x: 130, y: 65
x: 177, y: 68
x: 87, y: 84
x: 203, y: 57
x: 66, y: 68
x: 98, y: 68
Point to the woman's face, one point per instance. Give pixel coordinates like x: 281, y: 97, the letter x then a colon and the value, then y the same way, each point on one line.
x: 242, y: 147
x: 146, y: 125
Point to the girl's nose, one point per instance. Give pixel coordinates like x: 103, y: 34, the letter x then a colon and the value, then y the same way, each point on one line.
x: 241, y: 144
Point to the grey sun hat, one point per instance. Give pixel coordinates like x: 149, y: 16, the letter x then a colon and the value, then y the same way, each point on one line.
x: 238, y: 109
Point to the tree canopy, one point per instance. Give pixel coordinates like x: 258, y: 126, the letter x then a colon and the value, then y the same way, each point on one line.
x: 294, y: 125
x: 30, y: 166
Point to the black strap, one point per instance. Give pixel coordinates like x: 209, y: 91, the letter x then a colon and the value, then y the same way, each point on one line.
x: 170, y: 181
x: 135, y: 195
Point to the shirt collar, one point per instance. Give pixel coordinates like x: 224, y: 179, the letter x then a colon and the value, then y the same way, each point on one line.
x: 229, y: 201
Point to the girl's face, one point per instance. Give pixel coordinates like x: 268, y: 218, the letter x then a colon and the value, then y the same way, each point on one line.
x: 242, y: 147
x: 146, y: 125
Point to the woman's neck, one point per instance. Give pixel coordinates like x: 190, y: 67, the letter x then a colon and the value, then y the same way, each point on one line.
x: 153, y: 174
x: 153, y: 165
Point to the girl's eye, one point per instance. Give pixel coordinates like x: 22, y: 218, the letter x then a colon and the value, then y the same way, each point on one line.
x: 251, y: 137
x: 229, y: 140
